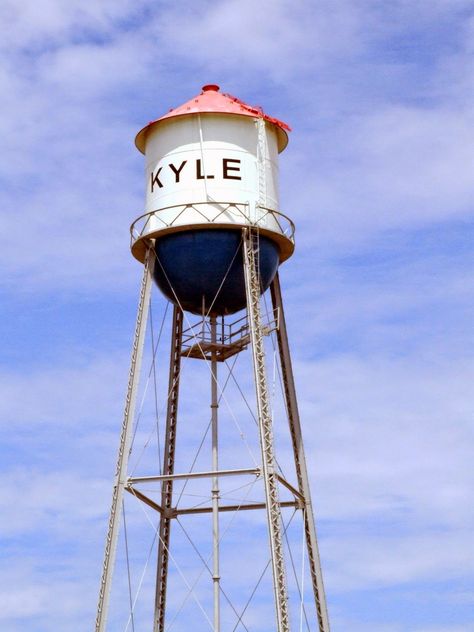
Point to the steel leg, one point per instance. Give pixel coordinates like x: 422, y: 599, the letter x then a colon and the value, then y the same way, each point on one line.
x: 168, y: 468
x: 124, y: 446
x: 300, y: 461
x: 252, y: 285
x: 215, y: 480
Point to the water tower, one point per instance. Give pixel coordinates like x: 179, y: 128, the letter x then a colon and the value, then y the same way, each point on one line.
x: 212, y: 238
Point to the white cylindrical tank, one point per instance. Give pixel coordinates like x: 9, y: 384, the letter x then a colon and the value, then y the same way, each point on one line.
x: 211, y: 165
x: 209, y: 157
x: 209, y: 152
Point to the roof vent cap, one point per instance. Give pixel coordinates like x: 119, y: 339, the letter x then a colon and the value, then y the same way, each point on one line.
x: 210, y: 87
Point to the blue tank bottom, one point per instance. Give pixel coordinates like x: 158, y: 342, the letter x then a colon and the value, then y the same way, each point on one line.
x: 192, y: 265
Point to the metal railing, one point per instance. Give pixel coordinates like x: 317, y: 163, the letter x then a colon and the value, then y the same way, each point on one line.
x: 227, y: 333
x: 226, y: 213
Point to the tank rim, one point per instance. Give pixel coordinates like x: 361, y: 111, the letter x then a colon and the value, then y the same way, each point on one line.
x: 142, y: 136
x: 141, y: 238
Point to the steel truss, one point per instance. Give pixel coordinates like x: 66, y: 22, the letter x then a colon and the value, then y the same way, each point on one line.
x: 253, y: 290
x: 125, y: 442
x: 300, y: 461
x: 216, y: 349
x: 168, y: 469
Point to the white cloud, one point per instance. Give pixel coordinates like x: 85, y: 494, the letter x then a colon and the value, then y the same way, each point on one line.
x: 50, y: 503
x: 398, y: 168
x: 281, y: 38
x: 64, y: 395
x: 54, y: 22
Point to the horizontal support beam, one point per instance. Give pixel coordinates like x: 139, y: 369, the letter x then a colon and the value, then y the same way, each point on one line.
x: 173, y: 513
x: 290, y: 487
x: 202, y: 510
x: 168, y: 477
x: 148, y: 501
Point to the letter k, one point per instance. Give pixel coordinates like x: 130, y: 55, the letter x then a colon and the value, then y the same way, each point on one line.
x: 155, y: 179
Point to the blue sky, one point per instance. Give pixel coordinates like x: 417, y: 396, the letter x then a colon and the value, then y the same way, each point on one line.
x: 378, y: 177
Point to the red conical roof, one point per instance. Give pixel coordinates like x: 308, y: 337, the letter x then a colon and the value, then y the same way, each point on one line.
x: 211, y: 100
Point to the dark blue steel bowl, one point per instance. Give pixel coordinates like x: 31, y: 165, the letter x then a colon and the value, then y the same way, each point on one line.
x: 203, y: 269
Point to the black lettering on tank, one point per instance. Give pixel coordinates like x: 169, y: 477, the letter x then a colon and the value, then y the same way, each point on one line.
x: 226, y: 167
x: 178, y: 170
x: 199, y: 174
x: 155, y: 179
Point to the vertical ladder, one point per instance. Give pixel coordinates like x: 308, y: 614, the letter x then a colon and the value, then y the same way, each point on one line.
x: 261, y: 164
